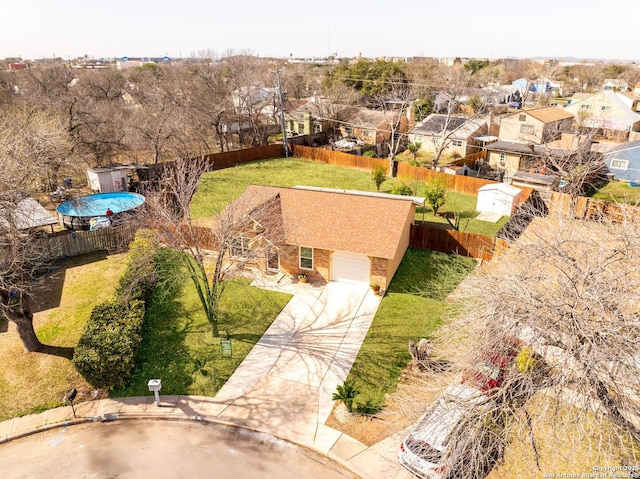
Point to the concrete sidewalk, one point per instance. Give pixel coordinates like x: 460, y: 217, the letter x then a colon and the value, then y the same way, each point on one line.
x: 283, y: 387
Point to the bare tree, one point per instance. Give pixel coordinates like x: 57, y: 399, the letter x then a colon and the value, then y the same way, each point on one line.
x: 332, y: 108
x: 394, y: 105
x: 455, y: 84
x: 211, y: 99
x: 249, y: 77
x: 29, y: 143
x: 216, y: 254
x: 565, y: 292
x: 580, y: 169
x: 98, y: 116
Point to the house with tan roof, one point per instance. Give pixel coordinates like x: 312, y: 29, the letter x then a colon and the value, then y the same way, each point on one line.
x: 331, y: 235
x: 608, y: 115
x: 536, y: 125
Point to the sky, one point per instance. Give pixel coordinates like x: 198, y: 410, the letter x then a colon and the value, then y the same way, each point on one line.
x: 462, y: 28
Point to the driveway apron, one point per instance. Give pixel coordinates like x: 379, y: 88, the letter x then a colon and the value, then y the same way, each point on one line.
x: 285, y: 383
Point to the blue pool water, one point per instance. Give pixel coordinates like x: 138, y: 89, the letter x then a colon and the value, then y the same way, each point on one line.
x: 96, y: 205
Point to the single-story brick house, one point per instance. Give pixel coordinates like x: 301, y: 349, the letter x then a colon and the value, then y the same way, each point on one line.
x: 332, y: 235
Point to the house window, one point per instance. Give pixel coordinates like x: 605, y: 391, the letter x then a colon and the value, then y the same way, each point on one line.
x: 605, y: 108
x: 417, y: 139
x: 522, y: 117
x: 300, y: 128
x: 503, y: 159
x: 348, y: 131
x: 585, y: 107
x: 527, y: 129
x: 457, y: 143
x: 317, y: 128
x: 240, y: 247
x: 306, y: 257
x: 620, y: 164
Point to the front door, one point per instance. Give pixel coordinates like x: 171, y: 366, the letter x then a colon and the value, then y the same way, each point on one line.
x: 273, y: 260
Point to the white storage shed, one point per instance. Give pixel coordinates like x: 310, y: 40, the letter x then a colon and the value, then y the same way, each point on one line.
x: 498, y: 198
x: 107, y: 180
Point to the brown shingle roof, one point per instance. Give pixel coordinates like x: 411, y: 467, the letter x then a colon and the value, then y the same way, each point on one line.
x: 549, y: 114
x: 338, y: 221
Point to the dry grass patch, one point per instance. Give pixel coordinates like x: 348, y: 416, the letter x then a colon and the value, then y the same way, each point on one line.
x: 31, y: 382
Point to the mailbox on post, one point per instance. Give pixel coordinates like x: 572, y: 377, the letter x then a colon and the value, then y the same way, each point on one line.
x: 155, y: 385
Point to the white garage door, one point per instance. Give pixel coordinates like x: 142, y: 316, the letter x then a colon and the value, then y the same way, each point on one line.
x: 350, y: 268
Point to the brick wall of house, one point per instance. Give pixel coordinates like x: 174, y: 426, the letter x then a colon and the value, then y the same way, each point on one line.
x: 379, y: 268
x: 289, y: 263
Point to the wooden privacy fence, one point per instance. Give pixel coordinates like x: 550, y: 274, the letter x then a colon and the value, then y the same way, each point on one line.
x: 453, y: 242
x: 339, y: 158
x: 229, y: 159
x: 76, y: 243
x: 583, y: 207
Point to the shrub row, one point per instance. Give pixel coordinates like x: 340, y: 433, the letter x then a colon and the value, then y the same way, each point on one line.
x: 106, y: 352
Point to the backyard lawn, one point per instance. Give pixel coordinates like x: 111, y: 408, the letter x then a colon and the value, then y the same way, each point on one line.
x: 618, y: 191
x: 218, y: 188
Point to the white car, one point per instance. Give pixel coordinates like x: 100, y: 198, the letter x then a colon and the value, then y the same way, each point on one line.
x: 424, y: 447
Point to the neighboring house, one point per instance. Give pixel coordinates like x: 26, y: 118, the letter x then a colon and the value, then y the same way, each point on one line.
x: 250, y: 99
x: 334, y: 235
x: 536, y: 125
x: 608, y: 115
x: 508, y: 157
x: 299, y: 119
x: 460, y: 134
x: 490, y: 97
x: 624, y: 161
x: 616, y: 84
x: 539, y: 85
x: 372, y: 126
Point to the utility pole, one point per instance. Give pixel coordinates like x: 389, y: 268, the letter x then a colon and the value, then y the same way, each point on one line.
x: 284, y: 128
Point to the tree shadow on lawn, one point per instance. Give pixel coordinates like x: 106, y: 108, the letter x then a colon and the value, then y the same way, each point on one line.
x: 63, y: 352
x: 164, y: 352
x: 47, y: 288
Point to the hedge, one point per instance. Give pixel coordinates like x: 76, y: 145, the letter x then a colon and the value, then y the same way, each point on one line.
x: 106, y: 352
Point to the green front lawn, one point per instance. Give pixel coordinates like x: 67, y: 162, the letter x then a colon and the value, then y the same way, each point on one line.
x: 411, y: 309
x: 178, y: 346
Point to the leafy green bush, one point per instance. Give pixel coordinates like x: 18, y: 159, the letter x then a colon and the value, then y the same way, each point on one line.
x: 400, y: 187
x: 346, y: 393
x: 436, y: 193
x: 106, y: 353
x: 378, y: 175
x: 139, y: 278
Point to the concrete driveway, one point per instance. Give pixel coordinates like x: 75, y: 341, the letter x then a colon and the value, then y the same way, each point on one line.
x: 285, y: 383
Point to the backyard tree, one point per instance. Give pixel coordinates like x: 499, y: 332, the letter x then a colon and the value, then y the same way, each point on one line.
x: 435, y: 193
x: 414, y: 148
x: 378, y: 176
x: 564, y: 296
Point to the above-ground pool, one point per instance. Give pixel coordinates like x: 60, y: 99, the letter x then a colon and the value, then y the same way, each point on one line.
x: 77, y: 214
